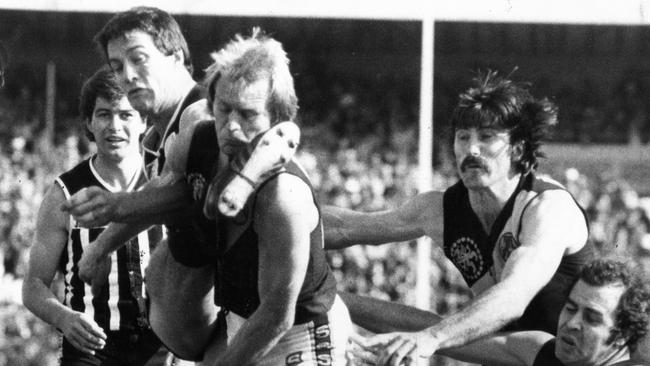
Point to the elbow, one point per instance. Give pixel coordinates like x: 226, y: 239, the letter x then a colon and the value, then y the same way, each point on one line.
x: 281, y: 317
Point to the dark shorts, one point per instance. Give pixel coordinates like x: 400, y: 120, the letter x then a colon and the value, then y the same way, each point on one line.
x: 123, y: 348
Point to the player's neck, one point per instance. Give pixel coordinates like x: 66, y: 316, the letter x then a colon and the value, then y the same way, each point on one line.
x: 488, y: 202
x: 163, y: 117
x: 118, y: 174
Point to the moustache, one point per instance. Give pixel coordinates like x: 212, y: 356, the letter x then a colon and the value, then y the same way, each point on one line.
x: 473, y: 162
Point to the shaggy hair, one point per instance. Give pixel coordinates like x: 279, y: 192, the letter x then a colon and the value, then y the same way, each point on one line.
x: 251, y: 59
x: 496, y: 102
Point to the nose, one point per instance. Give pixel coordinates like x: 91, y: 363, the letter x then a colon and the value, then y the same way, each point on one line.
x: 473, y: 145
x: 115, y: 122
x: 129, y: 73
x: 233, y: 123
x: 572, y: 321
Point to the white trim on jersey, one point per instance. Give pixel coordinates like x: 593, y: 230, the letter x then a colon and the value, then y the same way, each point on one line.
x: 113, y: 294
x: 84, y: 238
x: 144, y: 252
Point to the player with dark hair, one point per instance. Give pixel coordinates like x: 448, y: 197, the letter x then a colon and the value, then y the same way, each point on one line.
x: 146, y: 49
x: 518, y: 239
x: 606, y: 313
x: 108, y: 325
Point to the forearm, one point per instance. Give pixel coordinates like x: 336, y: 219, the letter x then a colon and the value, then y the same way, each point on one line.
x: 344, y: 227
x: 152, y: 205
x: 257, y: 336
x: 486, y: 314
x: 39, y: 299
x: 115, y: 236
x: 381, y: 316
x: 490, y: 350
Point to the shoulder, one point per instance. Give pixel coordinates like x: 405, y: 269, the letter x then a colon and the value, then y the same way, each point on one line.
x: 286, y: 192
x: 193, y: 116
x: 50, y: 212
x: 553, y: 204
x: 286, y: 199
x: 195, y: 113
x: 553, y: 217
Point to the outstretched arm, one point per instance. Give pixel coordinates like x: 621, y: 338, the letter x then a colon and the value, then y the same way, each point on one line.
x: 504, y: 349
x: 420, y: 215
x: 552, y: 225
x: 380, y: 316
x: 285, y: 215
x: 160, y: 199
x: 49, y: 240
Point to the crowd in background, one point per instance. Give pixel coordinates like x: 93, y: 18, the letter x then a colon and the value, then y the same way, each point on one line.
x: 358, y: 156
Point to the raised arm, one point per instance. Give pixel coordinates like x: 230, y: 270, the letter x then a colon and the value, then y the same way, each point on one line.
x: 552, y: 225
x: 420, y: 215
x: 284, y: 217
x: 49, y: 240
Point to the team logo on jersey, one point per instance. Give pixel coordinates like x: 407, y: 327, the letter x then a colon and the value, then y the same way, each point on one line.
x: 197, y: 183
x: 465, y: 254
x: 507, y: 244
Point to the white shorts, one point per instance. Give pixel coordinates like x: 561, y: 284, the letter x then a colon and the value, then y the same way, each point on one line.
x: 316, y: 343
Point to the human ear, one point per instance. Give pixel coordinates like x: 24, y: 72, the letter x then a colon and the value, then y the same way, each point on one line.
x: 517, y: 151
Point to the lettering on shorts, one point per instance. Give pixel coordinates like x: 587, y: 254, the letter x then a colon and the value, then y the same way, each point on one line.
x: 323, y: 344
x: 294, y: 359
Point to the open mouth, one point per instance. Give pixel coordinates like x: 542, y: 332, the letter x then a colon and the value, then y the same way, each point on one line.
x: 115, y: 140
x: 568, y: 341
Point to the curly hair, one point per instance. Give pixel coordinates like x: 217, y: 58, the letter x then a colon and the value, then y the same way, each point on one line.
x: 162, y: 27
x: 632, y: 314
x: 102, y: 84
x: 496, y: 102
x: 253, y: 58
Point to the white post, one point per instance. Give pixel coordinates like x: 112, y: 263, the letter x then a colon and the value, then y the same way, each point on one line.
x: 423, y: 284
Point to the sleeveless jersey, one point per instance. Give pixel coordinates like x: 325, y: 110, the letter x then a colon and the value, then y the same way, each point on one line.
x: 120, y: 304
x: 546, y: 355
x: 154, y: 145
x: 236, y: 274
x: 481, y: 256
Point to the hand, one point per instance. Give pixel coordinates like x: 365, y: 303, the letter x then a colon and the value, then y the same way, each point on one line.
x: 94, y: 268
x: 92, y: 206
x: 394, y: 349
x: 83, y: 333
x: 380, y: 350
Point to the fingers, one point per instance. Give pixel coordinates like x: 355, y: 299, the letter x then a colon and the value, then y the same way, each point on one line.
x: 396, y: 351
x: 94, y: 330
x: 85, y: 335
x: 81, y: 198
x: 89, y: 206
